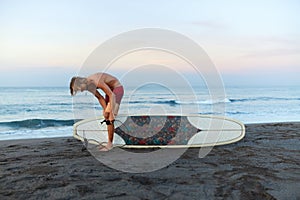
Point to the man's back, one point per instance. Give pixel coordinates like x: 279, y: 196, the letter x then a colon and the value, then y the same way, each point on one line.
x: 104, y: 78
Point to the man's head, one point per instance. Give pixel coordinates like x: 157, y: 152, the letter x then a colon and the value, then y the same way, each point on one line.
x: 78, y: 84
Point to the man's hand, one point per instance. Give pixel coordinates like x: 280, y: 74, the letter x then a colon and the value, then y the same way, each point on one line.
x: 105, y: 114
x: 108, y: 113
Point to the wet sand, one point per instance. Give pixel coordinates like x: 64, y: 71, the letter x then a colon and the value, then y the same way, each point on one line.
x: 264, y: 165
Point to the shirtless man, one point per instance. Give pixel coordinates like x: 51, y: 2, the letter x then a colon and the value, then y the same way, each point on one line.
x: 113, y: 95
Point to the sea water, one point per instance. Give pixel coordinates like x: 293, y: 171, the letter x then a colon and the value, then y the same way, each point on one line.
x: 51, y: 112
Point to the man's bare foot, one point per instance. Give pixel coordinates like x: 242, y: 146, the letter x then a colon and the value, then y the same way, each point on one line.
x: 108, y: 147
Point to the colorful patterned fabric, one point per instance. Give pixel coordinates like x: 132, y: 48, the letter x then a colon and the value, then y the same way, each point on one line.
x: 156, y: 130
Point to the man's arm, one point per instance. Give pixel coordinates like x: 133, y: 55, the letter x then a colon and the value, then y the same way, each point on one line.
x: 111, y: 96
x: 100, y: 99
x: 92, y: 88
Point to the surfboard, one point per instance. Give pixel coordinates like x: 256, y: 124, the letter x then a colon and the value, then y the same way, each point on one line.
x: 162, y: 131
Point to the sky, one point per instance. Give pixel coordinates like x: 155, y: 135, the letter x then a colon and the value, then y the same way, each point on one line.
x: 45, y: 43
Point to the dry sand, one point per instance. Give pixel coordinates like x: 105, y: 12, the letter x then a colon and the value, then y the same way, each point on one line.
x: 264, y: 165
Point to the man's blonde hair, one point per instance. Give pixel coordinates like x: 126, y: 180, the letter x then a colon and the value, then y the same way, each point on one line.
x: 76, y: 81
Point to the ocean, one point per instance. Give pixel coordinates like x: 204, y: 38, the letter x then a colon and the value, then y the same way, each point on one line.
x: 51, y: 112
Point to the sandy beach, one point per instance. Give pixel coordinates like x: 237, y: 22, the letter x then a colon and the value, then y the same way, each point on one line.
x: 264, y: 165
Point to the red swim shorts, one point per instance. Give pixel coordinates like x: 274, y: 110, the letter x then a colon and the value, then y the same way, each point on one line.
x: 118, y: 91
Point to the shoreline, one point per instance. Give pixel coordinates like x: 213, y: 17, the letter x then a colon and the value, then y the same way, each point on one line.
x: 263, y: 165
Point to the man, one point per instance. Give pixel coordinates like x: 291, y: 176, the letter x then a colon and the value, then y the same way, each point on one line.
x: 113, y: 90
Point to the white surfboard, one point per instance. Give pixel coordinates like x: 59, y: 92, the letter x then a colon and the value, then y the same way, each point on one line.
x: 162, y: 131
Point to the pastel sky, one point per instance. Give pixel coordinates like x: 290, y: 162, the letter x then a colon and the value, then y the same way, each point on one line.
x: 44, y: 43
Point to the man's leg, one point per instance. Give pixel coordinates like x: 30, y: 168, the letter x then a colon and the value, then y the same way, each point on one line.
x: 110, y: 130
